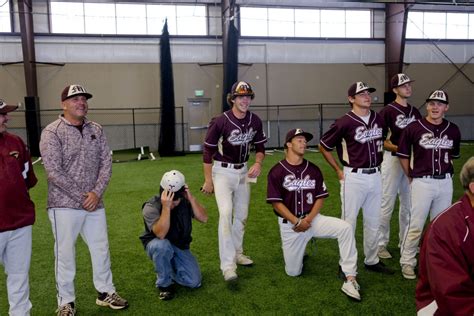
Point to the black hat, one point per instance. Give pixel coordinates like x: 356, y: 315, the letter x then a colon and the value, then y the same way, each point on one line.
x: 359, y: 87
x: 298, y: 132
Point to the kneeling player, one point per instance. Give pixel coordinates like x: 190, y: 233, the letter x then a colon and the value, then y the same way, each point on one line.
x: 296, y: 191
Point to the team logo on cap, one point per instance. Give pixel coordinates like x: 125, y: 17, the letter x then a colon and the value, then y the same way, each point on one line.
x: 402, y: 79
x: 438, y: 95
x: 361, y: 86
x: 75, y: 89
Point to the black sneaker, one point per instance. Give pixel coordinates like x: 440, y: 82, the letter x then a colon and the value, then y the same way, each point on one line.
x: 114, y: 301
x: 66, y: 310
x: 166, y: 293
x: 379, y: 267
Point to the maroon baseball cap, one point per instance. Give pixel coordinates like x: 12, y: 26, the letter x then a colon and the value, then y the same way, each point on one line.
x: 399, y: 80
x: 297, y: 132
x: 438, y: 95
x: 73, y: 90
x: 359, y: 87
x: 5, y: 108
x: 242, y: 88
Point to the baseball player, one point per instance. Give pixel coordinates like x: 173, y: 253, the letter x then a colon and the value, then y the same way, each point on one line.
x: 17, y: 214
x: 446, y: 282
x: 431, y: 143
x: 358, y: 138
x: 296, y: 190
x: 228, y: 142
x: 396, y: 116
x: 78, y: 165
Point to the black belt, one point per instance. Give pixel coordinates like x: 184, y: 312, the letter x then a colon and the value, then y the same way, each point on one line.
x: 232, y: 165
x: 365, y: 170
x: 285, y: 221
x: 437, y: 176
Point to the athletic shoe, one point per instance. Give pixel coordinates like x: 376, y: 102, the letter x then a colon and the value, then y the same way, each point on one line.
x: 379, y: 267
x: 66, y: 310
x: 408, y: 272
x: 230, y: 275
x: 244, y: 260
x: 113, y: 300
x: 384, y: 253
x: 166, y: 293
x: 351, y: 288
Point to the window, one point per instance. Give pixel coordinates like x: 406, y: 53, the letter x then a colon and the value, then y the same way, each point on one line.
x: 281, y: 22
x: 253, y: 21
x: 156, y: 16
x: 307, y: 23
x: 5, y: 24
x: 440, y: 25
x: 67, y: 17
x: 304, y: 22
x: 100, y: 18
x: 126, y: 18
x: 131, y: 19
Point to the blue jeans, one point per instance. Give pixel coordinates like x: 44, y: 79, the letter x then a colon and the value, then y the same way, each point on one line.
x: 173, y: 264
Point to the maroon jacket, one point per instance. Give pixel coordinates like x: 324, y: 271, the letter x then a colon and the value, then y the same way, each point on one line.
x: 16, y: 177
x: 446, y: 271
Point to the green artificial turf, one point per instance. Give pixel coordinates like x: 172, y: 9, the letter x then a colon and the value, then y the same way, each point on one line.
x: 261, y: 289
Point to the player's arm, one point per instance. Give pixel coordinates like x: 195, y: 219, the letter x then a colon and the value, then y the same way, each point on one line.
x: 388, y: 145
x: 199, y: 211
x: 256, y: 168
x: 331, y: 161
x: 284, y: 212
x: 405, y: 163
x: 208, y: 186
x: 162, y: 225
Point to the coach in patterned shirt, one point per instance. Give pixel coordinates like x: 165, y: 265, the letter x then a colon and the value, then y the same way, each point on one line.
x: 228, y: 142
x: 431, y: 143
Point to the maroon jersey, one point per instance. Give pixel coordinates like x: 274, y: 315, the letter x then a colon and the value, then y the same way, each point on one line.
x: 358, y: 145
x: 396, y: 117
x: 229, y: 139
x: 297, y: 187
x: 16, y: 177
x: 432, y: 147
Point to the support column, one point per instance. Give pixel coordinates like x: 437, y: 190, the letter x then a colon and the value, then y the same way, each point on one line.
x: 230, y: 48
x: 395, y: 28
x: 32, y: 114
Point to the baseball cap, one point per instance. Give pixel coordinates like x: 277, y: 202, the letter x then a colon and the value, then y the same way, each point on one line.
x: 5, y: 108
x: 242, y: 88
x: 297, y: 132
x: 399, y: 80
x: 173, y: 181
x: 73, y: 90
x: 359, y: 87
x: 438, y: 95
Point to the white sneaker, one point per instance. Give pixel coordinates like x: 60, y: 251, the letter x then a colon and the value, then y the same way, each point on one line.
x: 408, y: 272
x: 230, y: 275
x: 244, y: 260
x: 383, y: 253
x: 351, y: 288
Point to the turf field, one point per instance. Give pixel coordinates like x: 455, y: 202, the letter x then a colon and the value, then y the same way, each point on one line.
x: 261, y: 289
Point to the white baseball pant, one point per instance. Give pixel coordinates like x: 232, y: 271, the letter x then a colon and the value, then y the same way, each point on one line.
x: 67, y: 224
x: 294, y: 243
x: 427, y: 196
x: 15, y: 256
x: 394, y: 182
x: 359, y: 190
x: 232, y: 193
